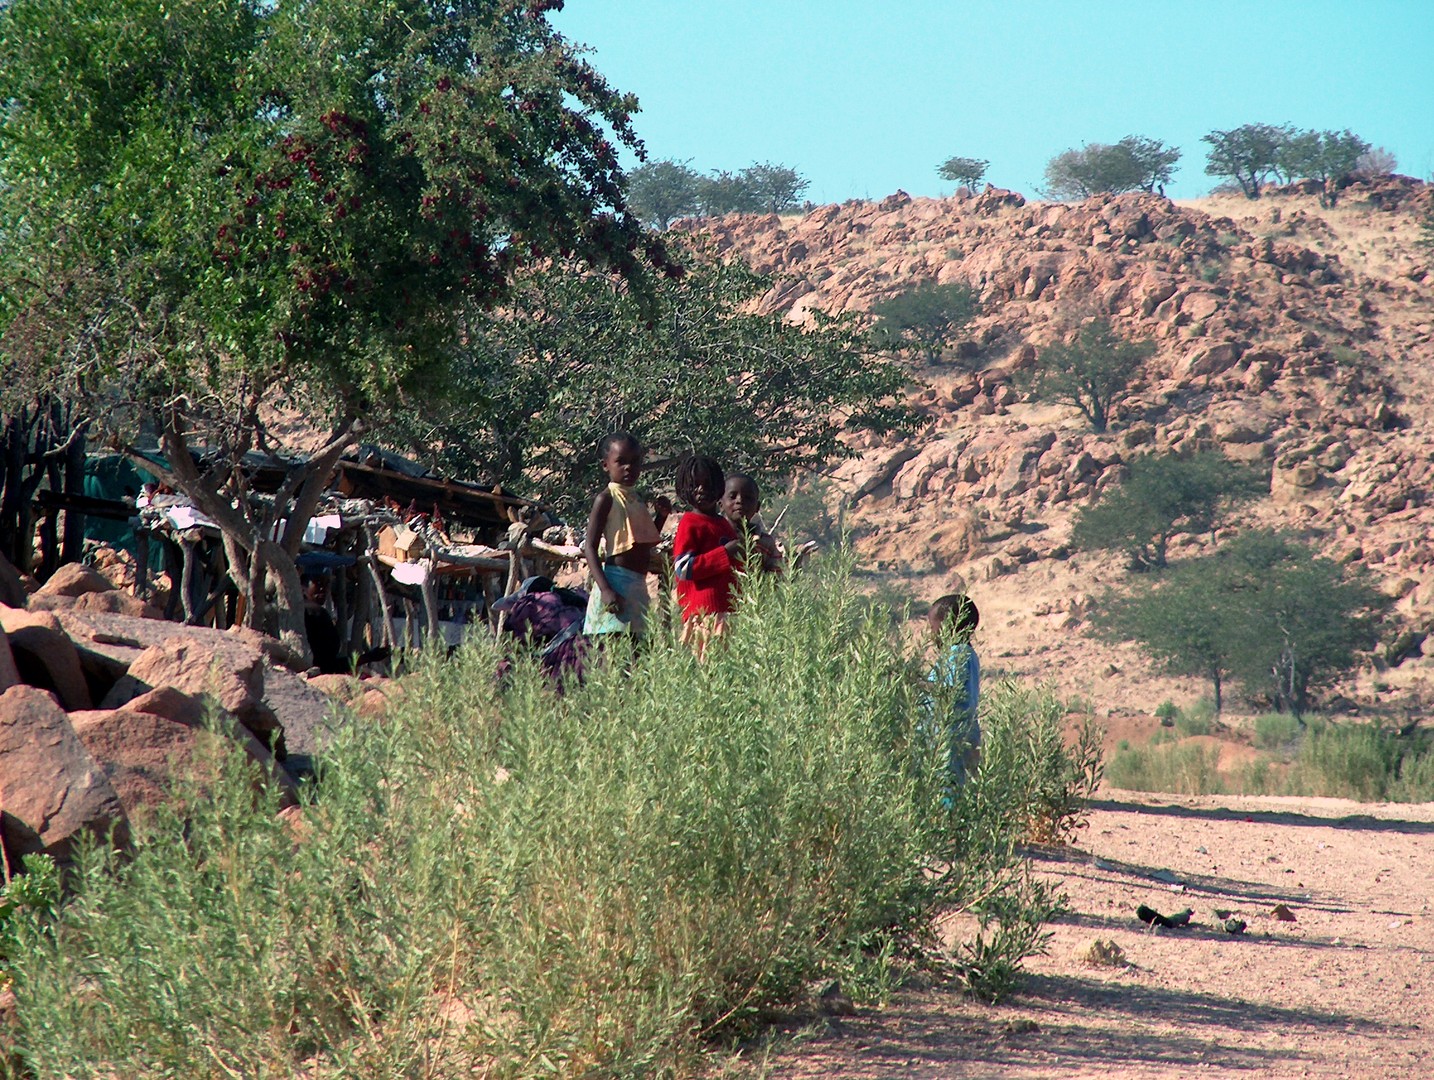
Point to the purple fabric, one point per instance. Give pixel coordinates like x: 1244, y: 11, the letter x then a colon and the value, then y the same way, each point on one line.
x: 540, y: 616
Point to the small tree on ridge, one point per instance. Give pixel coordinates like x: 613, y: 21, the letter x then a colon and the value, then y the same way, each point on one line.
x: 966, y: 171
x: 1093, y: 371
x: 925, y: 317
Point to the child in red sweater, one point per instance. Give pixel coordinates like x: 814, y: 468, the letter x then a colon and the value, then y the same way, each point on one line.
x: 706, y: 553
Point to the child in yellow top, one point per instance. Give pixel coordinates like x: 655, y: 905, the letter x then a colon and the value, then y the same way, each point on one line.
x: 618, y: 546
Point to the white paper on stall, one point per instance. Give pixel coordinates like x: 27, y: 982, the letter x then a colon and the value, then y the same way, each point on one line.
x: 410, y: 573
x: 317, y: 530
x: 187, y: 517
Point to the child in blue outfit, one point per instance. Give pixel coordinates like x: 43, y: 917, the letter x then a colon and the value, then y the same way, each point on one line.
x: 952, y: 620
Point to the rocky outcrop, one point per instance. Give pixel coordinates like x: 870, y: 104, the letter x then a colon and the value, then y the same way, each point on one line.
x: 232, y: 678
x: 1267, y: 340
x: 157, y: 749
x: 51, y: 788
x: 1288, y: 337
x: 171, y: 699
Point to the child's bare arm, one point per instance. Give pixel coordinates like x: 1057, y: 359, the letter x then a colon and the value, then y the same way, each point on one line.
x: 597, y: 523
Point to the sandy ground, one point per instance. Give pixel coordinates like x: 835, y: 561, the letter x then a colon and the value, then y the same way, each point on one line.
x: 1344, y: 990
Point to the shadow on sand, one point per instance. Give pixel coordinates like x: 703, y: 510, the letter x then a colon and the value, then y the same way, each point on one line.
x: 1049, y: 1027
x: 1352, y: 822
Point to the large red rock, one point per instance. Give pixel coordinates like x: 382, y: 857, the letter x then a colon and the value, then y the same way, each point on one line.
x: 75, y: 579
x: 112, y: 602
x: 46, y: 658
x: 157, y: 749
x: 51, y: 788
x: 12, y: 588
x: 233, y: 679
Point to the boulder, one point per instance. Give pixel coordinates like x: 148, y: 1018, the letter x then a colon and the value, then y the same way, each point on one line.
x: 9, y: 673
x: 1212, y: 360
x: 112, y: 602
x: 12, y: 588
x: 233, y: 679
x: 47, y: 659
x: 341, y: 688
x: 52, y: 790
x: 151, y: 755
x: 75, y: 579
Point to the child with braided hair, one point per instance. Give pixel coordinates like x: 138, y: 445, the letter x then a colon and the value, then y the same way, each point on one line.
x: 706, y: 553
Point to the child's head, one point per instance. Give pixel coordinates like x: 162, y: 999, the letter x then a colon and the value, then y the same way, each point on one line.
x: 953, y: 615
x: 316, y: 588
x: 700, y: 483
x: 740, y: 498
x: 621, y: 456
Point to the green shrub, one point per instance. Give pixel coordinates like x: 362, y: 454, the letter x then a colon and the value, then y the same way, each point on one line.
x: 36, y: 892
x: 1276, y: 730
x: 1194, y: 723
x: 1365, y: 762
x: 520, y: 883
x: 1167, y: 710
x: 1177, y: 768
x: 1027, y: 763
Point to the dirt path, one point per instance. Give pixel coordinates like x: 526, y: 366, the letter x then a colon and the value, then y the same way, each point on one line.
x: 1345, y: 990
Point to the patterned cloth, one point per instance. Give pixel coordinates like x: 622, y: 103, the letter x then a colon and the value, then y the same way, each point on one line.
x: 632, y: 587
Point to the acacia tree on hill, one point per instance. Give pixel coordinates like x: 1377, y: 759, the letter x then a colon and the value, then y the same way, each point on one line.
x: 925, y: 317
x: 966, y: 171
x: 1248, y: 154
x: 1136, y: 163
x: 762, y: 188
x: 661, y: 191
x: 1262, y: 609
x: 1094, y: 371
x: 775, y: 188
x: 210, y: 208
x: 1164, y: 496
x: 1325, y: 156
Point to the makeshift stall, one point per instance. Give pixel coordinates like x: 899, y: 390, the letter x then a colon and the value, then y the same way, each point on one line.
x: 412, y: 557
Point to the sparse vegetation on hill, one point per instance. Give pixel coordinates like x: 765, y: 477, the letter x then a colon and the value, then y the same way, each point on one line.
x: 925, y: 318
x: 1252, y: 153
x: 660, y: 191
x: 968, y: 171
x: 1289, y: 337
x: 1136, y: 163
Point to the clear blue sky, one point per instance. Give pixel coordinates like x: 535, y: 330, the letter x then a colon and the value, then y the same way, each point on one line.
x: 866, y: 97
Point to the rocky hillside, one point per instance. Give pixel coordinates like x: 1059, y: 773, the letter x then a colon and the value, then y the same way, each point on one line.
x: 1287, y: 333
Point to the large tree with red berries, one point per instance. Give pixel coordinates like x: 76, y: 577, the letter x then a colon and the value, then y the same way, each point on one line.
x: 212, y: 207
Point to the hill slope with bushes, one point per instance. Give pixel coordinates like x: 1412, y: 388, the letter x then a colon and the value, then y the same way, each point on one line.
x: 1286, y: 335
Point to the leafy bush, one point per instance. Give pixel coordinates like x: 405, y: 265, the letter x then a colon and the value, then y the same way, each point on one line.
x: 1177, y: 768
x: 1027, y: 765
x: 1365, y: 762
x: 502, y: 879
x: 1274, y: 730
x: 36, y: 891
x: 1194, y: 724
